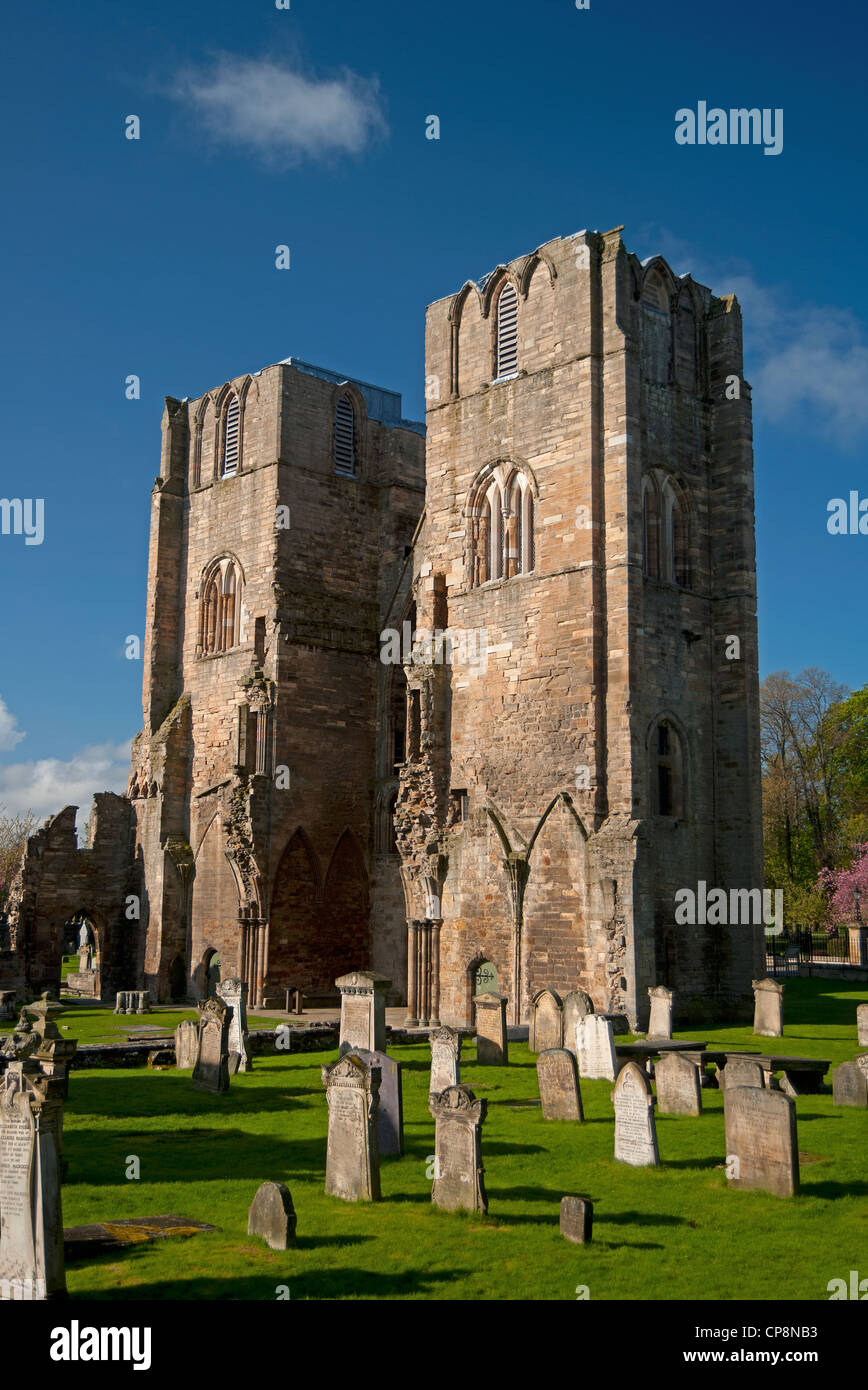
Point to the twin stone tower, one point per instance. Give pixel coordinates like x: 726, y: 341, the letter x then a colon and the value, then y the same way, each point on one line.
x: 463, y: 704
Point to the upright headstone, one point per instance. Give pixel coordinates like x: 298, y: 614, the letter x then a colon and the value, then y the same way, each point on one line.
x: 492, y: 1049
x: 595, y: 1049
x: 233, y: 992
x: 458, y: 1172
x: 211, y: 1072
x: 363, y: 1010
x: 390, y: 1108
x: 635, y: 1131
x: 546, y: 1021
x: 352, y: 1154
x: 445, y: 1059
x: 768, y: 1017
x: 850, y: 1086
x: 862, y: 1024
x: 559, y: 1091
x: 660, y: 1022
x: 577, y: 1004
x: 31, y: 1221
x: 577, y: 1219
x: 740, y: 1072
x: 761, y: 1143
x: 186, y: 1045
x: 272, y: 1216
x: 678, y: 1088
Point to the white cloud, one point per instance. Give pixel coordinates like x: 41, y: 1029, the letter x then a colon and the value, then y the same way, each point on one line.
x: 10, y: 734
x: 46, y: 785
x: 278, y: 112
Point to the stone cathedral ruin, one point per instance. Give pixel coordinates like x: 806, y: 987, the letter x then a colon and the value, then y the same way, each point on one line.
x: 579, y: 512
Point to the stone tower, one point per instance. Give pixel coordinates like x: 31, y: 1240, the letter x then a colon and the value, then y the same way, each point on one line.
x: 281, y: 531
x: 585, y: 743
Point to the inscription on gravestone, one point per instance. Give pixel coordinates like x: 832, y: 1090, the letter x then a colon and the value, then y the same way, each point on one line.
x: 678, y: 1089
x: 862, y: 1024
x: 233, y: 992
x: 595, y: 1048
x: 660, y: 1023
x: 352, y: 1153
x: 635, y: 1131
x: 458, y: 1171
x: 363, y: 1010
x: 739, y: 1072
x: 445, y: 1059
x: 211, y: 1072
x: 492, y: 1049
x: 761, y: 1142
x: 31, y: 1224
x: 186, y: 1045
x: 850, y: 1086
x: 559, y: 1090
x: 547, y: 1021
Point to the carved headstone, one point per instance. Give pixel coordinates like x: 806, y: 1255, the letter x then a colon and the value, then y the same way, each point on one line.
x: 272, y: 1216
x: 740, y: 1072
x: 492, y: 1049
x: 559, y: 1090
x: 862, y: 1024
x: 363, y: 1010
x: 577, y: 1219
x: 458, y: 1170
x: 577, y: 1004
x: 761, y: 1142
x: 635, y: 1131
x: 186, y: 1045
x: 233, y: 992
x: 850, y: 1086
x: 211, y: 1072
x: 678, y: 1088
x: 660, y: 1022
x: 352, y: 1155
x: 31, y: 1222
x: 768, y: 1018
x: 546, y: 1021
x: 445, y: 1059
x: 595, y: 1049
x: 390, y: 1107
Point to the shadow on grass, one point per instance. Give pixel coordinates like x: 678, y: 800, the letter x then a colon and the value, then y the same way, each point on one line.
x: 208, y: 1155
x: 114, y: 1253
x: 833, y: 1190
x: 638, y: 1218
x: 314, y: 1284
x: 161, y: 1094
x: 716, y: 1162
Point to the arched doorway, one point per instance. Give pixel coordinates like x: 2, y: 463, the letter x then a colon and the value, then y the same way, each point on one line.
x: 80, y: 965
x: 212, y: 973
x: 178, y: 979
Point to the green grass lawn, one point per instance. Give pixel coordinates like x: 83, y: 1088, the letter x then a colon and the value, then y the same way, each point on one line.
x: 87, y: 1023
x: 667, y: 1233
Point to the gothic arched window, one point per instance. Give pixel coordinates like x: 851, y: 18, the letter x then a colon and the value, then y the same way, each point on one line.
x: 220, y: 608
x: 345, y: 437
x: 650, y: 529
x: 677, y: 536
x: 506, y: 355
x: 500, y: 525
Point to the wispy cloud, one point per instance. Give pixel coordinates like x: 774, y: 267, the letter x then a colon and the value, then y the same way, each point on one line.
x: 46, y: 785
x: 277, y: 111
x: 807, y: 362
x: 10, y: 734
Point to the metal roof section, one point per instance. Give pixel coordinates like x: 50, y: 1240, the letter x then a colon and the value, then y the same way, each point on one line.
x: 381, y: 404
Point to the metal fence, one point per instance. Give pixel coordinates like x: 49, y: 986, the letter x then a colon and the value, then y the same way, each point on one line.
x: 797, y: 946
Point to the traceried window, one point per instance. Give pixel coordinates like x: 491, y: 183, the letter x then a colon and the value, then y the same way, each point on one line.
x: 231, y: 438
x: 666, y: 532
x: 345, y: 437
x: 501, y: 527
x: 219, y: 608
x: 506, y: 356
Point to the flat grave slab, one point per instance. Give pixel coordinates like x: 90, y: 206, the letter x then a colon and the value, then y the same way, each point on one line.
x: 79, y: 1241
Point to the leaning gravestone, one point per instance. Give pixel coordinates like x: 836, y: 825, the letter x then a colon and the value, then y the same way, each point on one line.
x: 577, y: 1004
x: 850, y: 1086
x: 492, y: 1049
x: 761, y: 1143
x: 211, y: 1072
x: 186, y: 1045
x: 768, y: 1018
x: 660, y: 1022
x: 445, y: 1059
x: 31, y: 1223
x: 352, y: 1154
x: 595, y: 1049
x: 577, y: 1219
x: 546, y: 1021
x: 458, y: 1170
x: 233, y: 992
x: 559, y: 1091
x: 390, y: 1107
x: 363, y: 1011
x: 740, y: 1072
x: 678, y: 1089
x: 862, y: 1024
x: 635, y: 1131
x: 272, y: 1216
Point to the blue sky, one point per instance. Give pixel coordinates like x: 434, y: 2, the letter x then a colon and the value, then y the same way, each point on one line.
x: 306, y: 126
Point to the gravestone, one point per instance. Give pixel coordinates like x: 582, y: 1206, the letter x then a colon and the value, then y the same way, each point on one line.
x: 635, y: 1131
x: 445, y: 1059
x: 862, y: 1062
x: 211, y: 1072
x: 233, y: 992
x: 740, y: 1072
x: 186, y: 1045
x: 363, y: 1011
x: 559, y: 1091
x: 546, y: 1021
x: 458, y: 1172
x: 862, y: 1024
x: 492, y: 1049
x: 768, y: 1018
x: 577, y: 1004
x: 352, y: 1153
x: 54, y: 1052
x: 678, y: 1087
x: 761, y: 1142
x: 272, y: 1216
x: 577, y: 1219
x: 31, y: 1221
x: 660, y: 1022
x: 595, y: 1049
x: 390, y: 1107
x: 850, y: 1086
